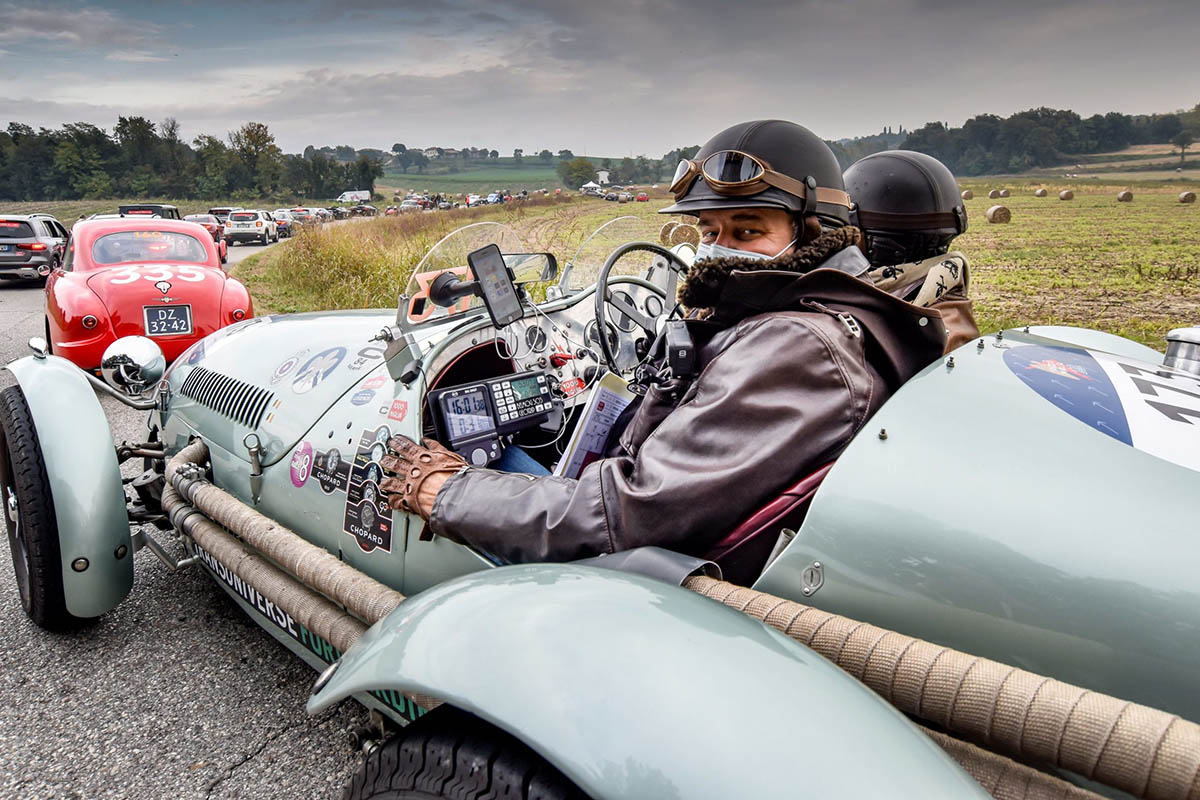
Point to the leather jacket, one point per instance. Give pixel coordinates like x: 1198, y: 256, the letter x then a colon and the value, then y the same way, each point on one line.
x: 790, y: 366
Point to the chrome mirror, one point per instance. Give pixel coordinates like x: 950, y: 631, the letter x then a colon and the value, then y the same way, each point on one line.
x: 132, y: 364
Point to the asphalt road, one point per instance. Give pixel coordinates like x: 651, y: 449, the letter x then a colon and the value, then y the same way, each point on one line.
x: 174, y: 694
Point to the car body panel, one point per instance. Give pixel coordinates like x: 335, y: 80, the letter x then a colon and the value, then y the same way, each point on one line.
x: 85, y: 483
x: 118, y: 295
x: 621, y: 681
x: 992, y: 520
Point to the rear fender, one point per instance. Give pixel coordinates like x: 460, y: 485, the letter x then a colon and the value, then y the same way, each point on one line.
x: 85, y: 482
x: 636, y: 688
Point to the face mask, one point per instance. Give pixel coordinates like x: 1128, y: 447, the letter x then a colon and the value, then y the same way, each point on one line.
x: 705, y: 251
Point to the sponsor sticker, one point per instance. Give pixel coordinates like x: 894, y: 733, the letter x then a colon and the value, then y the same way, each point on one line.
x: 331, y: 470
x: 302, y: 463
x: 361, y: 398
x: 371, y: 352
x: 374, y: 382
x: 398, y: 410
x: 317, y: 369
x: 367, y: 516
x: 572, y: 387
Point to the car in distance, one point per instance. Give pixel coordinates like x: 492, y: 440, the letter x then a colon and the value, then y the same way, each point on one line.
x: 215, y: 228
x: 251, y: 226
x: 364, y: 210
x: 31, y: 246
x: 642, y: 197
x: 150, y: 277
x: 303, y: 216
x: 222, y: 212
x: 339, y: 212
x: 284, y: 224
x: 162, y: 210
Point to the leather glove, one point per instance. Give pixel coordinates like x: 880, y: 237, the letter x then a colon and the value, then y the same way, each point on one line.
x: 415, y: 473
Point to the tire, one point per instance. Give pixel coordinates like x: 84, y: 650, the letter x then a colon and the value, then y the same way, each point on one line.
x: 449, y: 754
x: 29, y: 517
x: 266, y: 240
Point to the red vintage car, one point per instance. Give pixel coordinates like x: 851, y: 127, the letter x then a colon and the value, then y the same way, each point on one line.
x: 139, y: 277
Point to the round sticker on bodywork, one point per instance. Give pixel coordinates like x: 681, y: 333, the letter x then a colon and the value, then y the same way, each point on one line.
x: 317, y: 369
x: 301, y: 467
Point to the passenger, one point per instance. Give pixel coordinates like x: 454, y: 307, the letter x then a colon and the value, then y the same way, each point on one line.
x: 795, y: 351
x: 909, y: 210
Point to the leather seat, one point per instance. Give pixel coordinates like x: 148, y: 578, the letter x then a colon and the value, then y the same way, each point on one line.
x: 742, y: 554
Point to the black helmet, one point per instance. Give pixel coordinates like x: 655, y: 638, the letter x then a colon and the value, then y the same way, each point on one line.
x: 907, y: 204
x: 763, y: 163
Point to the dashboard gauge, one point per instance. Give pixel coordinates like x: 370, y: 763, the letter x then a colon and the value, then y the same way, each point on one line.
x: 535, y: 338
x: 622, y: 321
x: 654, y: 305
x: 614, y: 339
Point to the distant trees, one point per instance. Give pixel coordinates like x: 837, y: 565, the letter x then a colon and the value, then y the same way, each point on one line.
x: 546, y: 156
x: 576, y: 172
x: 1183, y: 140
x: 1039, y: 137
x: 517, y: 154
x: 565, y: 155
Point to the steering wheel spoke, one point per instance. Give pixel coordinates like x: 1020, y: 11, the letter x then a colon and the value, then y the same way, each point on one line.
x: 622, y: 304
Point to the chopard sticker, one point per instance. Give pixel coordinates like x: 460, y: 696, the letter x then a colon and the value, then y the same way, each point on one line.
x: 365, y: 356
x: 398, y: 410
x: 363, y: 397
x: 368, y: 518
x: 317, y: 369
x: 302, y: 463
x: 287, y: 365
x: 331, y: 471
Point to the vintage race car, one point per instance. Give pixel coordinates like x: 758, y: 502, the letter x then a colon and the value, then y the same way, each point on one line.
x: 1028, y: 500
x: 139, y: 277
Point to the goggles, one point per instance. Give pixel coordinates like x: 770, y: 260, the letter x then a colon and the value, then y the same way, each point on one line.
x: 737, y: 174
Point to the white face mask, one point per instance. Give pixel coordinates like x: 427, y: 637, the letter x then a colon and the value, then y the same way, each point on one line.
x: 705, y: 251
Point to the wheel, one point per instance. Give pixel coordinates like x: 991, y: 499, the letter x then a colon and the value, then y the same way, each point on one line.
x: 29, y: 517
x: 451, y: 754
x: 265, y: 239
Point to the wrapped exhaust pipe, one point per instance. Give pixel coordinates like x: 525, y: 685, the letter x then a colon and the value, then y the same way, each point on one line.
x: 1139, y: 750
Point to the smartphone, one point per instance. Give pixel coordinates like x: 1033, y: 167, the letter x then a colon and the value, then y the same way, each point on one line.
x: 496, y: 283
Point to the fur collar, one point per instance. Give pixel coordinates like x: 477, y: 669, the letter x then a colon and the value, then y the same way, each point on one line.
x: 704, y: 282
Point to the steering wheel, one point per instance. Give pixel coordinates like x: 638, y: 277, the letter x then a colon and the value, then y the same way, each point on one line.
x: 606, y: 297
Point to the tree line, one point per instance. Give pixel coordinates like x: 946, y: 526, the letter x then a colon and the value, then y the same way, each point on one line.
x: 140, y: 158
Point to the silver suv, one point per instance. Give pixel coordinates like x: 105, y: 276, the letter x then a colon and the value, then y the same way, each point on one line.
x: 31, y: 246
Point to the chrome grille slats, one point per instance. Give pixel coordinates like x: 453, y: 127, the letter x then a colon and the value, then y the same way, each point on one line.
x: 240, y: 401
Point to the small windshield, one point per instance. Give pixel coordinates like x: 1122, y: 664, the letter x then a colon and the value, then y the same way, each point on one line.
x: 127, y: 247
x: 451, y: 254
x: 586, y: 248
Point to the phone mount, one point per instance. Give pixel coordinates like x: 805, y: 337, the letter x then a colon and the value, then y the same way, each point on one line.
x: 447, y: 289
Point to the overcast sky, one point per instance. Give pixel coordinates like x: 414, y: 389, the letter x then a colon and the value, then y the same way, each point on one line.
x: 605, y: 77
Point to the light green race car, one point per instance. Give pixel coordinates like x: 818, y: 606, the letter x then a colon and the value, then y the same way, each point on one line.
x: 1029, y: 500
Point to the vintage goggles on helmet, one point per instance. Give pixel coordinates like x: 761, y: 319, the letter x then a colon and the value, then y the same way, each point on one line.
x: 737, y: 174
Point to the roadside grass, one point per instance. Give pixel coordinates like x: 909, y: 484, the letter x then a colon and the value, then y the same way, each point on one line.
x: 1128, y: 268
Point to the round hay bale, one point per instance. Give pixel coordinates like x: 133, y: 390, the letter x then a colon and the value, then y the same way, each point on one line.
x: 994, y: 194
x: 1066, y: 194
x: 664, y: 233
x: 968, y: 194
x: 998, y: 214
x: 1004, y: 192
x: 1040, y: 193
x: 1187, y: 197
x: 1125, y: 196
x: 685, y: 233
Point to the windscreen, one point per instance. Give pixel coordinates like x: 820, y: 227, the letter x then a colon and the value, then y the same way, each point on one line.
x: 15, y: 229
x: 451, y: 254
x: 127, y: 247
x: 243, y: 217
x: 592, y: 239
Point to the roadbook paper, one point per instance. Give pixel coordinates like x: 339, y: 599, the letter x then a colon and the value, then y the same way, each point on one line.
x: 609, y: 398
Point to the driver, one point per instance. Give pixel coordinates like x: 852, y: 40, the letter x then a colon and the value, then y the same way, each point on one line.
x: 794, y: 349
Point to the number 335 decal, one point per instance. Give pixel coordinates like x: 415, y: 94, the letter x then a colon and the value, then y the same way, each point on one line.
x: 131, y: 274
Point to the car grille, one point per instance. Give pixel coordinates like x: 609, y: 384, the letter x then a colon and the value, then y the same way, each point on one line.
x: 235, y: 399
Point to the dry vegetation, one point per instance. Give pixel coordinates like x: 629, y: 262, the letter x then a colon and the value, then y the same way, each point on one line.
x: 1132, y: 268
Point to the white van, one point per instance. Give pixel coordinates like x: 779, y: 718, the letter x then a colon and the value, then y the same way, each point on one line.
x: 356, y: 196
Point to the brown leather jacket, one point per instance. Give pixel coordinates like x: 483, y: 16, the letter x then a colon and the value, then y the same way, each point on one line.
x: 791, y: 365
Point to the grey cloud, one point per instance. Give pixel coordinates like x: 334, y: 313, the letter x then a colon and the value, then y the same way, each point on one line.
x: 86, y: 26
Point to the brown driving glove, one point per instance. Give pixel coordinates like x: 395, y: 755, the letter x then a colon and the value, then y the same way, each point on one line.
x: 415, y: 473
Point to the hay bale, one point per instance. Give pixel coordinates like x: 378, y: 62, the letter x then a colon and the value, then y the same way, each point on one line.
x: 1066, y: 194
x: 968, y: 194
x: 685, y: 233
x: 1004, y: 192
x: 664, y: 233
x: 1125, y: 196
x: 1187, y: 197
x: 998, y: 214
x: 1040, y: 193
x: 994, y: 194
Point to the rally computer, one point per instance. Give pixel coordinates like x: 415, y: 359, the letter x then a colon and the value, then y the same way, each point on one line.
x: 471, y: 418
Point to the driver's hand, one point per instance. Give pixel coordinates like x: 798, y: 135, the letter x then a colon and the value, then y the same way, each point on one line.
x: 415, y: 474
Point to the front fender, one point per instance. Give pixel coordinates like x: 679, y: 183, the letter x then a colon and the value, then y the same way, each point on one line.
x: 635, y: 688
x: 85, y: 482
